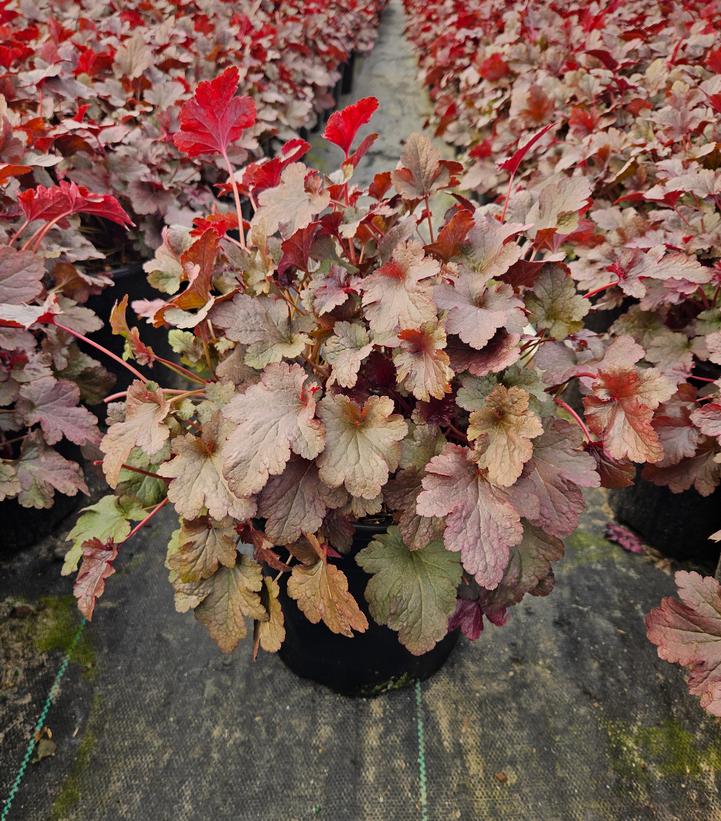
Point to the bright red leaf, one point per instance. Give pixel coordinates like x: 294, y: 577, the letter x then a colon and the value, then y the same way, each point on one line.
x: 215, y: 117
x: 56, y: 203
x: 343, y: 125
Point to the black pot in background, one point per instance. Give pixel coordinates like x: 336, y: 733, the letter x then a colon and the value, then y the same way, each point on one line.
x: 130, y: 280
x: 348, y: 70
x: 676, y: 524
x: 25, y: 526
x: 370, y: 663
x: 22, y: 527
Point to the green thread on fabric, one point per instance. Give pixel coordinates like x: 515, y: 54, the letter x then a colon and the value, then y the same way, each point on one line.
x: 52, y: 695
x: 422, y: 776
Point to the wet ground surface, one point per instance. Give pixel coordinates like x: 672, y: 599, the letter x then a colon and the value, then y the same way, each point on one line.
x: 564, y: 713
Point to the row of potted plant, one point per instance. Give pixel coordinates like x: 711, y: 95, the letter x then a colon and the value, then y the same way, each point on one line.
x: 90, y: 104
x: 373, y: 438
x: 622, y: 104
x: 91, y: 95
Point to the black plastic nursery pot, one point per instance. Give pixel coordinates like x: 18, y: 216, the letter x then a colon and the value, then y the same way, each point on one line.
x: 22, y: 527
x: 130, y: 280
x: 370, y: 663
x: 676, y: 524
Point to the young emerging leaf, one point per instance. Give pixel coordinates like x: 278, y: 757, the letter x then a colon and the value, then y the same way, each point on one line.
x: 343, y: 125
x: 504, y: 428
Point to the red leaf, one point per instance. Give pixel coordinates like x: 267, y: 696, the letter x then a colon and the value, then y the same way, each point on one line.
x: 296, y: 249
x: 67, y: 198
x: 713, y: 60
x: 493, y: 68
x: 220, y: 223
x: 343, y: 125
x: 452, y: 236
x: 98, y: 558
x: 511, y: 163
x: 259, y: 176
x: 215, y: 117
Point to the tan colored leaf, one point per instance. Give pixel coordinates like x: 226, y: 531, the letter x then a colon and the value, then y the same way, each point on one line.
x: 504, y: 428
x: 145, y: 412
x: 321, y: 592
x: 271, y: 633
x: 345, y: 351
x: 234, y: 597
x: 197, y: 477
x: 203, y: 544
x: 363, y: 443
x: 421, y: 362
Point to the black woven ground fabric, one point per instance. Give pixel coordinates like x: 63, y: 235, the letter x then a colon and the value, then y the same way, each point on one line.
x: 564, y: 713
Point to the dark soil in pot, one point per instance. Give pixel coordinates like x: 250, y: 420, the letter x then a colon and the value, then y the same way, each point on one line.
x: 677, y: 524
x: 370, y: 663
x: 130, y: 280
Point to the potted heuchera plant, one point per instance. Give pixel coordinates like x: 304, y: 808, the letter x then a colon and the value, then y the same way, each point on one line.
x: 369, y: 450
x: 45, y: 379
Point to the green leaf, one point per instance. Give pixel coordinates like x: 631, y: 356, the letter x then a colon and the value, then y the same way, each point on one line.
x: 104, y: 520
x: 412, y: 591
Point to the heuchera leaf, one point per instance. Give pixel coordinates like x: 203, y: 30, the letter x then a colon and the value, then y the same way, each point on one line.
x: 476, y: 311
x: 134, y: 346
x: 54, y: 405
x: 452, y: 236
x: 362, y: 445
x: 234, y: 595
x: 215, y: 117
x: 621, y: 410
x: 96, y: 567
x: 145, y: 412
x: 549, y: 490
x: 270, y: 634
x: 504, y: 428
x: 343, y: 125
x: 65, y: 199
x: 554, y: 305
x: 41, y: 471
x: 21, y: 276
x: 321, y: 592
x: 687, y: 631
x: 529, y: 570
x: 344, y: 351
x: 271, y: 418
x: 395, y: 295
x: 421, y: 362
x: 196, y: 474
x: 296, y: 501
x: 481, y: 523
x: 511, y: 163
x: 264, y: 325
x: 422, y: 171
x: 203, y: 545
x: 293, y: 203
x: 411, y: 591
x: 105, y: 521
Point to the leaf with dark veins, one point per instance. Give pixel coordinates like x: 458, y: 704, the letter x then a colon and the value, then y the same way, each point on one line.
x: 549, y: 490
x: 481, y: 522
x: 54, y: 404
x: 296, y: 501
x: 96, y: 567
